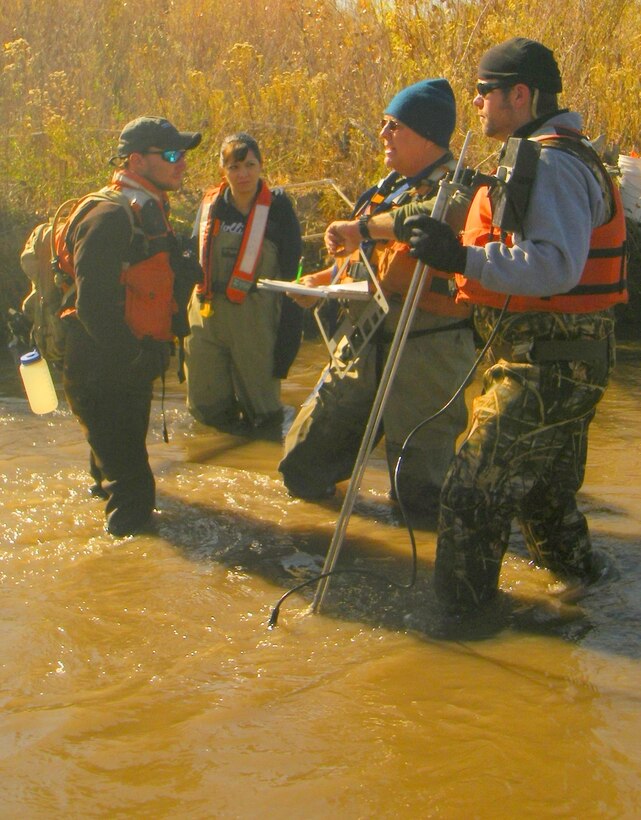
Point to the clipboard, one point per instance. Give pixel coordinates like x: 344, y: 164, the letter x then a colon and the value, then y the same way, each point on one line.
x: 346, y: 290
x: 356, y: 326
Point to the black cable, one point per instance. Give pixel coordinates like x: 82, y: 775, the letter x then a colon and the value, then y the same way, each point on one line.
x: 273, y: 618
x: 466, y: 381
x: 165, y: 432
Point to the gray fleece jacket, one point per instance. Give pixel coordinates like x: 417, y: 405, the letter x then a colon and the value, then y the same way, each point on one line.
x: 548, y: 257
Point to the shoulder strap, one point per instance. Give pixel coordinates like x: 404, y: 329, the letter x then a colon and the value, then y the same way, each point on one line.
x: 244, y: 273
x: 207, y: 228
x: 125, y: 198
x: 67, y: 217
x: 576, y: 144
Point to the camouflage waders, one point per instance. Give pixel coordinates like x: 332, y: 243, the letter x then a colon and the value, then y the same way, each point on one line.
x: 525, y: 455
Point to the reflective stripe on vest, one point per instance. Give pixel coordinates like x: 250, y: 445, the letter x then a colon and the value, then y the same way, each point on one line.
x: 208, y: 227
x: 243, y: 275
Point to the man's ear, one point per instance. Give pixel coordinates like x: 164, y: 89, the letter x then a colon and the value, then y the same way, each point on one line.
x: 522, y: 96
x: 134, y: 160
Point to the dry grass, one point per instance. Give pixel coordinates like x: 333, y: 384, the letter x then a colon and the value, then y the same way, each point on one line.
x: 308, y: 79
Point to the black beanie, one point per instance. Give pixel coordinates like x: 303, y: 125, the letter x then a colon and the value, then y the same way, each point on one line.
x: 520, y: 60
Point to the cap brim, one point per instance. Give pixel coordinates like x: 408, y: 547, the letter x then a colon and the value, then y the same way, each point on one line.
x: 179, y: 141
x: 190, y: 139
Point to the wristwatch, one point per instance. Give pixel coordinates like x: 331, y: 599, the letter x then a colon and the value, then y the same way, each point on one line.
x: 362, y: 227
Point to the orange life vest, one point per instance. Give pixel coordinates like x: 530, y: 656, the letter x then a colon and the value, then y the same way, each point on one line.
x: 394, y: 266
x: 243, y: 275
x: 603, y: 280
x: 395, y: 269
x: 149, y: 300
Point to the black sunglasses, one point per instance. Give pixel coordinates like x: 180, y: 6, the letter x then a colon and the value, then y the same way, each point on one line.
x: 483, y: 89
x: 169, y: 156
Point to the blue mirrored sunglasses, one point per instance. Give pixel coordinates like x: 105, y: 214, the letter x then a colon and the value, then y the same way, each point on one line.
x: 169, y: 156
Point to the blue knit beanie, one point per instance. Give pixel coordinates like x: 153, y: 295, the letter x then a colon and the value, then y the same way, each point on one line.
x: 427, y: 107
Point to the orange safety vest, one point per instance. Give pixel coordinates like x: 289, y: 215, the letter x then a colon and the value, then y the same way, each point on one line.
x: 394, y: 268
x: 149, y: 282
x: 603, y: 280
x: 243, y: 275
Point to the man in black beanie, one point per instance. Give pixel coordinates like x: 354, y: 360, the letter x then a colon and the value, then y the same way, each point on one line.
x: 562, y: 268
x: 323, y: 443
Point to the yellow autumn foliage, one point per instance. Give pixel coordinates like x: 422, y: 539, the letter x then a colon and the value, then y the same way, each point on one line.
x: 309, y: 79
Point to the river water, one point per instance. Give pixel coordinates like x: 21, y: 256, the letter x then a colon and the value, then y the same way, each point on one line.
x: 139, y: 678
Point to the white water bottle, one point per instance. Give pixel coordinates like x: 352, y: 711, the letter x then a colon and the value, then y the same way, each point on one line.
x: 37, y: 383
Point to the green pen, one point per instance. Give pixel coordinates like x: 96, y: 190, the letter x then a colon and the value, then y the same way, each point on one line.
x: 299, y: 272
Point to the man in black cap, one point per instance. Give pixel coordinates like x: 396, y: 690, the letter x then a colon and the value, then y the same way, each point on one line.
x: 118, y: 251
x: 559, y: 268
x: 322, y: 446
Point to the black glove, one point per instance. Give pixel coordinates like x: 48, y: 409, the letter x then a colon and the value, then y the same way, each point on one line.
x: 151, y: 361
x: 435, y: 244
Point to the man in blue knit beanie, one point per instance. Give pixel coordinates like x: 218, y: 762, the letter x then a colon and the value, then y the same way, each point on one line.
x: 323, y: 443
x: 428, y: 108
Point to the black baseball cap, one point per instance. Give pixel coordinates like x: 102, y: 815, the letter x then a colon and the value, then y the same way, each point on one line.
x: 146, y: 132
x: 521, y: 60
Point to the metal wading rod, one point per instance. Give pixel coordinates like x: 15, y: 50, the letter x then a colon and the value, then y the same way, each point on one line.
x: 389, y: 371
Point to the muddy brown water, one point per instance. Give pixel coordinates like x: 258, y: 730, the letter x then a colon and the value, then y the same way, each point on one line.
x: 139, y: 679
